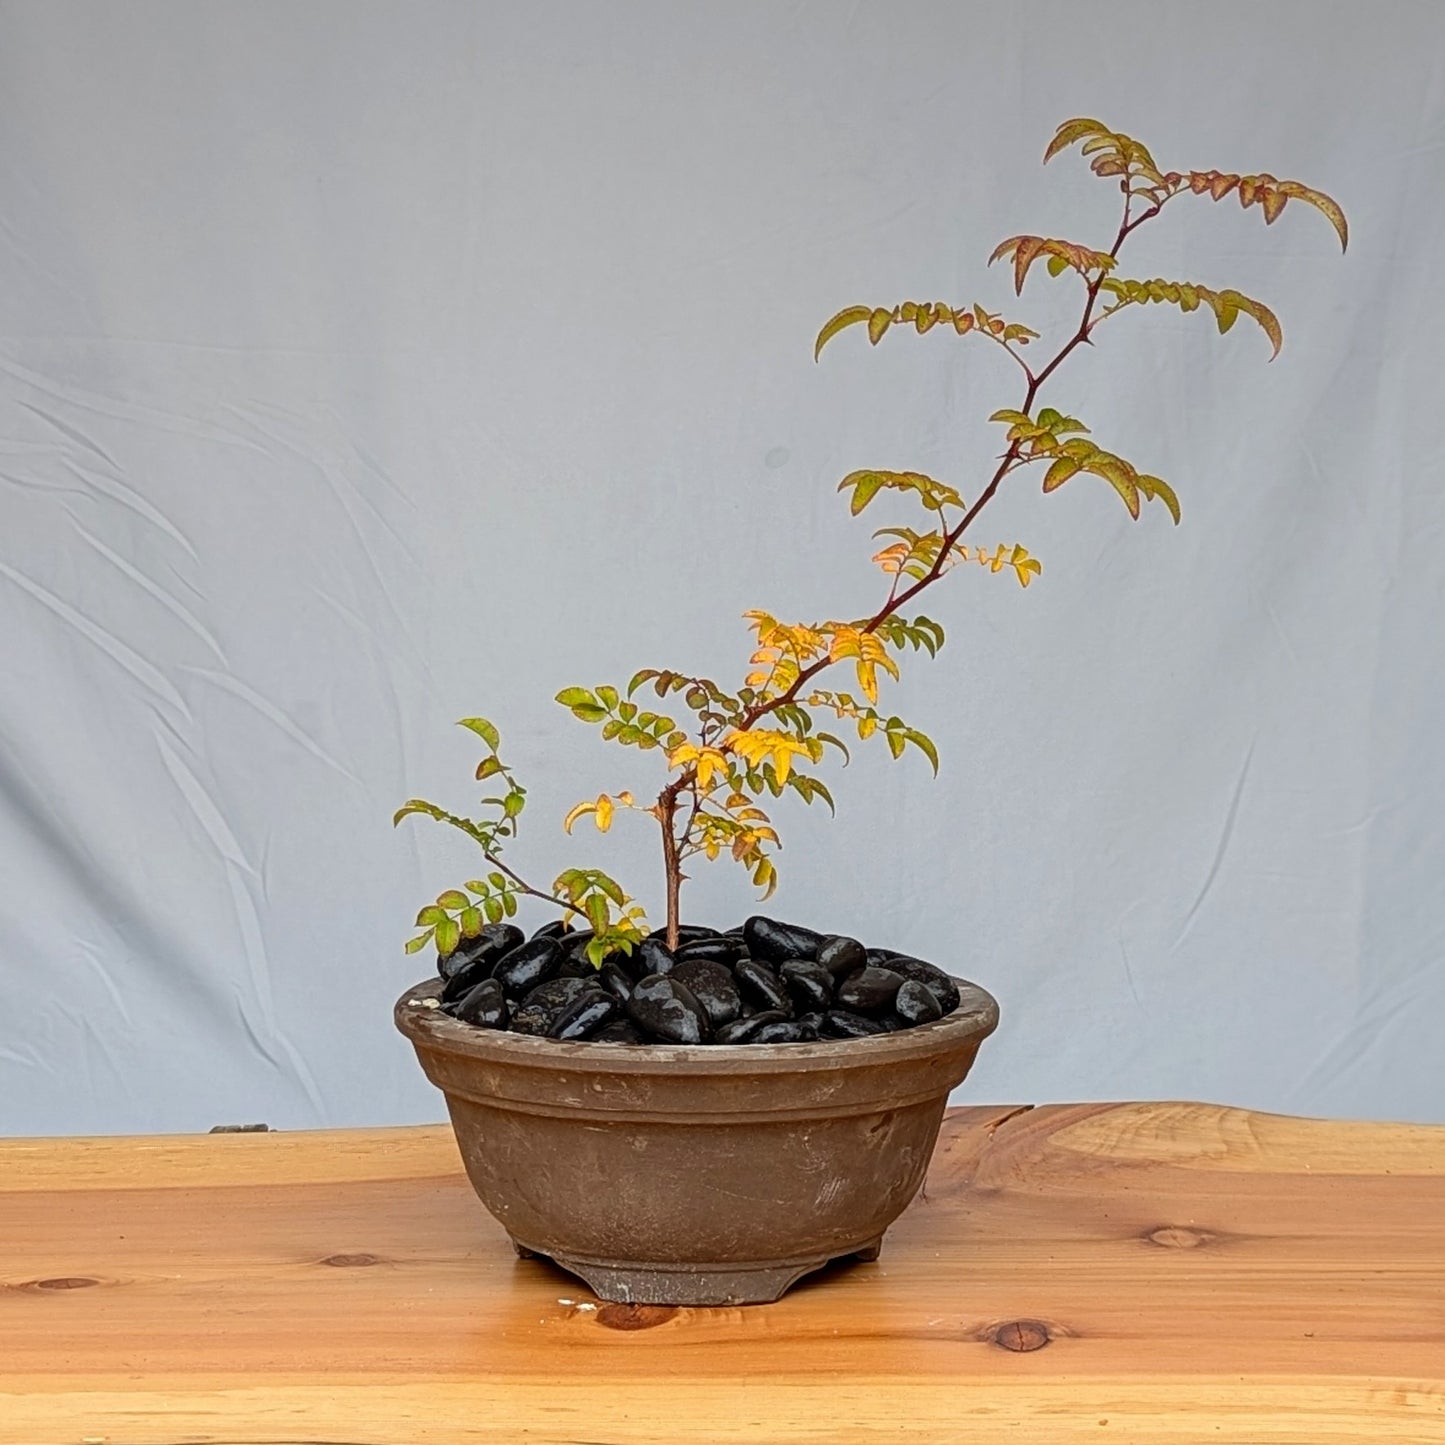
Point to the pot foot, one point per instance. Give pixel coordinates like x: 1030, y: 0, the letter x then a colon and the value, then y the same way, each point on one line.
x: 621, y: 1282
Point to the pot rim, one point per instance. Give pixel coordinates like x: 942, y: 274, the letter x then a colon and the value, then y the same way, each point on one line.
x: 975, y: 1018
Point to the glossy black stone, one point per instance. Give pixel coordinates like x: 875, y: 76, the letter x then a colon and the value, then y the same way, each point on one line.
x: 712, y: 985
x: 784, y: 1031
x: 775, y: 942
x: 842, y: 956
x: 879, y: 957
x: 489, y: 945
x: 531, y: 1018
x: 558, y: 929
x: 870, y: 991
x: 741, y: 1030
x: 686, y: 933
x: 574, y: 944
x: 616, y: 980
x: 556, y: 994
x: 467, y: 977
x: 931, y: 977
x: 620, y: 1031
x: 652, y: 955
x: 915, y: 1003
x: 715, y: 950
x: 583, y: 1017
x: 843, y: 1024
x: 485, y: 1006
x: 667, y: 1011
x: 760, y: 986
x: 809, y: 985
x: 525, y: 967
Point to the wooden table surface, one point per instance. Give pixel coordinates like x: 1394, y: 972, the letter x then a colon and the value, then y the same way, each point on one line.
x: 1139, y: 1272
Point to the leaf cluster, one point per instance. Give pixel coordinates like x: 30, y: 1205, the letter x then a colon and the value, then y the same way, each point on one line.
x: 1039, y: 437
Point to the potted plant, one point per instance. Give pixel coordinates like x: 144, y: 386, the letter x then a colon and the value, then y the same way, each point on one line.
x: 698, y: 1115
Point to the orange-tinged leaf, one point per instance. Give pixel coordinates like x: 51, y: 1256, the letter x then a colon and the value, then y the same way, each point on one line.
x: 1267, y: 320
x: 849, y: 316
x: 1221, y: 185
x: 1324, y: 204
x: 1272, y: 202
x: 1023, y: 257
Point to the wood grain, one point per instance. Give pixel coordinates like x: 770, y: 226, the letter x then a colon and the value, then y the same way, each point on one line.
x: 1146, y: 1272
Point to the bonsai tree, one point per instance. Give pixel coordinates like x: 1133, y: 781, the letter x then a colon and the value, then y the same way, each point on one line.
x: 739, y: 746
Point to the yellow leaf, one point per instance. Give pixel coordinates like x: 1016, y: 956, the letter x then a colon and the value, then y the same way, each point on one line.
x: 679, y: 757
x: 580, y: 811
x: 603, y: 812
x: 710, y: 762
x: 868, y: 680
x: 878, y: 323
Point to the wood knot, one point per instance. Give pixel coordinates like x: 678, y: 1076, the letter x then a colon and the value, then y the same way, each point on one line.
x: 66, y: 1281
x: 1021, y: 1336
x: 1178, y: 1236
x: 635, y: 1317
x: 351, y: 1261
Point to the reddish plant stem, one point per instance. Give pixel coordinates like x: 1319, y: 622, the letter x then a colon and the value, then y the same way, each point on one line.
x: 667, y: 799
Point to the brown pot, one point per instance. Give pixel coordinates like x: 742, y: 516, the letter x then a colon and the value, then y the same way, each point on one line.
x: 695, y: 1175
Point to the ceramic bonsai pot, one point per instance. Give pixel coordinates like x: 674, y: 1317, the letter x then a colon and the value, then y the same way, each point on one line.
x: 695, y: 1175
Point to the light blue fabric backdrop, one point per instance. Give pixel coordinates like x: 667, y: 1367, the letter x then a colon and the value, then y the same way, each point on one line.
x: 364, y: 366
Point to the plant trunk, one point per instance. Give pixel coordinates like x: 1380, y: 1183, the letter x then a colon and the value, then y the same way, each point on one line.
x: 671, y: 861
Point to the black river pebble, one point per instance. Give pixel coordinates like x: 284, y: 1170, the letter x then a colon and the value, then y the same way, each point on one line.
x: 839, y: 1023
x: 560, y: 992
x: 785, y: 1031
x: 583, y: 1017
x: 842, y: 956
x: 616, y: 980
x: 933, y: 979
x: 524, y: 968
x: 686, y: 933
x: 464, y: 979
x: 715, y: 950
x: 809, y: 985
x: 622, y: 1031
x: 915, y: 1004
x: 651, y: 956
x: 485, y: 1006
x: 712, y: 986
x: 775, y: 942
x: 667, y: 1011
x: 760, y: 986
x: 741, y: 1031
x: 870, y: 991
